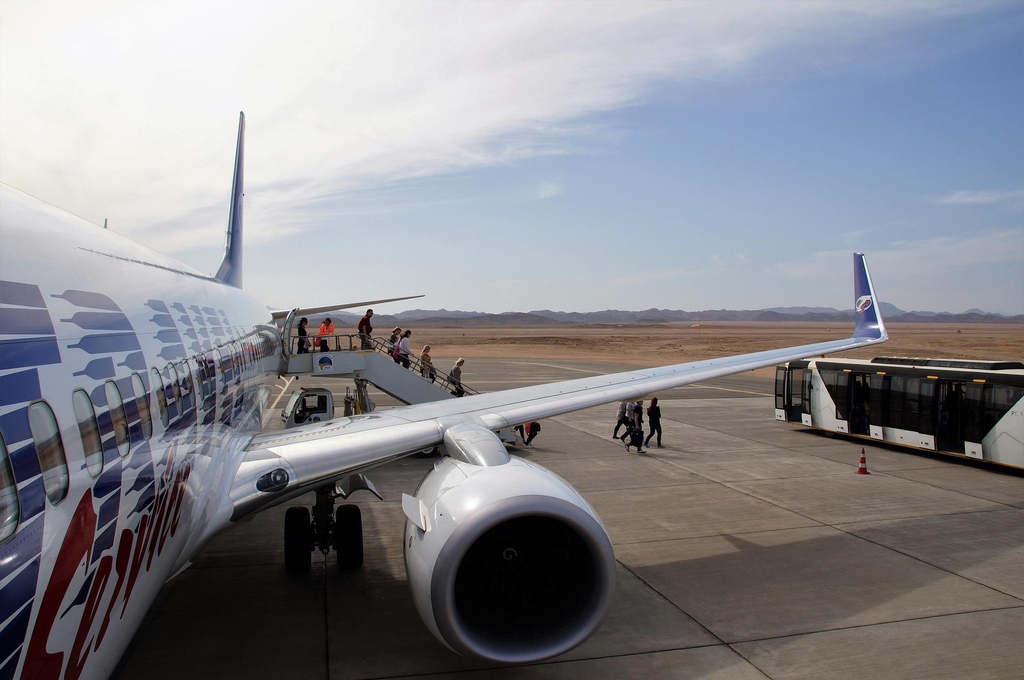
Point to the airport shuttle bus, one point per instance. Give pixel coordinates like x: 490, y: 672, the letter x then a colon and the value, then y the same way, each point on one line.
x: 973, y: 409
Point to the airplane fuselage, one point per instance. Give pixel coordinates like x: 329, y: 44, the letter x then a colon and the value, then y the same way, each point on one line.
x: 89, y: 319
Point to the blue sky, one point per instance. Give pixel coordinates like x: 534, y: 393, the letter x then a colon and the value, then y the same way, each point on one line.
x: 517, y: 156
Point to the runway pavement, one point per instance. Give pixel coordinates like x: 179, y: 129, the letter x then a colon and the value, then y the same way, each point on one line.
x: 746, y: 548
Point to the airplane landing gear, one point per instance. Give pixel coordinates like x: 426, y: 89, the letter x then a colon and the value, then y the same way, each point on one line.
x: 348, y: 536
x: 341, y: 530
x: 298, y: 540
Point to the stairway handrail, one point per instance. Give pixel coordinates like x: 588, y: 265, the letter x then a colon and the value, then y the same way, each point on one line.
x: 353, y: 343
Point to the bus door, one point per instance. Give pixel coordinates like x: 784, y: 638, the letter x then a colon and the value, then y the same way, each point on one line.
x: 878, y: 395
x: 952, y: 417
x: 799, y: 410
x: 859, y: 389
x: 792, y: 393
x: 972, y: 424
x: 781, y: 405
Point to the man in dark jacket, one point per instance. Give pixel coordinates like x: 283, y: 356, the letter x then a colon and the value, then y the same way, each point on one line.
x: 636, y: 431
x: 365, y: 329
x: 654, y: 416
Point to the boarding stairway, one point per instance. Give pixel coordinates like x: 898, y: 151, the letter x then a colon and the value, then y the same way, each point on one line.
x: 348, y: 356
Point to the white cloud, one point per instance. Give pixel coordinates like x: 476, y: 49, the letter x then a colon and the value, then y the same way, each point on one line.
x: 981, y: 197
x: 948, y: 273
x: 549, y: 189
x: 126, y: 110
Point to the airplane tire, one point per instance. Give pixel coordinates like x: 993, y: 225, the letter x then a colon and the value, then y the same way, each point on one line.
x: 297, y: 540
x: 348, y: 536
x: 428, y: 453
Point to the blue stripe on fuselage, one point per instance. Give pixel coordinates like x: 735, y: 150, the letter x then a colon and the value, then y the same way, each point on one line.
x: 20, y: 387
x: 16, y: 321
x: 29, y: 352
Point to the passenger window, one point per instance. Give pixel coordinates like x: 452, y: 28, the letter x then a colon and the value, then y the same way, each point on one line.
x: 161, y: 398
x: 50, y: 450
x: 199, y: 369
x: 172, y: 375
x: 143, y: 403
x: 10, y: 508
x: 85, y: 414
x: 117, y: 417
x: 185, y: 378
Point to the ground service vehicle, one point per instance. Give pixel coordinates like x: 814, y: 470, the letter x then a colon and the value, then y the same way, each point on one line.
x: 967, y: 408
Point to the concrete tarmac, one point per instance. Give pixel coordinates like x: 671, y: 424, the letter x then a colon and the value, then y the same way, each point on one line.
x: 746, y: 548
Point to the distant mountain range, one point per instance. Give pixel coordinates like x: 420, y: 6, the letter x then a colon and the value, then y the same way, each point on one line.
x: 545, y: 317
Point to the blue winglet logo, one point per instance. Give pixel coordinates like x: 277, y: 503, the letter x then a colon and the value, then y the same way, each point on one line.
x: 869, y: 322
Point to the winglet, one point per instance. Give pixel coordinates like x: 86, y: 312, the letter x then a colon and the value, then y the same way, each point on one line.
x: 230, y: 271
x: 865, y: 305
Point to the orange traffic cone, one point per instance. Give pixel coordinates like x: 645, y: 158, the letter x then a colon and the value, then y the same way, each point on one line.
x: 862, y: 467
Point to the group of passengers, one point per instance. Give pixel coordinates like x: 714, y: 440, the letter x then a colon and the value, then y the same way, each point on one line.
x: 397, y: 345
x: 631, y: 414
x: 326, y: 331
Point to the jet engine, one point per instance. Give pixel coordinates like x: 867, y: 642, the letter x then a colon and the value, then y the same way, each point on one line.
x: 506, y: 562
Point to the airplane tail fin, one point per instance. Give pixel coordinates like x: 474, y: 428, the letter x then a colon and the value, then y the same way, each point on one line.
x: 865, y: 307
x: 230, y: 271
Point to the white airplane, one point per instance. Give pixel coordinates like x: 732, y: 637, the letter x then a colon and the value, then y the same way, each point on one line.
x: 132, y: 390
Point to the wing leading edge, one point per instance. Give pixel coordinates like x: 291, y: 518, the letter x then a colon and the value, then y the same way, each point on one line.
x: 315, y: 454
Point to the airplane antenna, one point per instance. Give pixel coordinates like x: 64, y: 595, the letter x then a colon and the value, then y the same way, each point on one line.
x: 230, y: 271
x: 104, y: 222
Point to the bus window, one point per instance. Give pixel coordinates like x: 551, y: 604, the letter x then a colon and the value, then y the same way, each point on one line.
x: 998, y: 400
x: 117, y: 417
x: 859, y: 405
x: 50, y: 450
x: 807, y: 387
x: 836, y: 383
x: 878, y: 389
x: 143, y: 405
x: 911, y: 404
x: 971, y: 414
x: 926, y: 407
x: 780, y: 387
x: 796, y: 395
x: 85, y: 414
x: 10, y: 507
x: 161, y: 397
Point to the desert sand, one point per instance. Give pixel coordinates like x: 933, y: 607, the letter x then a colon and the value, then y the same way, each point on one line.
x: 657, y: 344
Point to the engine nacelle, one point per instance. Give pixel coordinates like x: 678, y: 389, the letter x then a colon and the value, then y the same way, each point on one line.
x: 514, y: 565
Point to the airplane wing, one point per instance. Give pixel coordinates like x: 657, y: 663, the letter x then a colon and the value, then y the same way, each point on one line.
x: 281, y: 314
x: 308, y: 456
